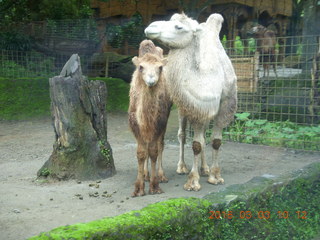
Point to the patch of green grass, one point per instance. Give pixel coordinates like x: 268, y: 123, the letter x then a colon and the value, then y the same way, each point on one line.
x: 117, y: 94
x: 172, y: 219
x: 286, y: 207
x: 26, y: 98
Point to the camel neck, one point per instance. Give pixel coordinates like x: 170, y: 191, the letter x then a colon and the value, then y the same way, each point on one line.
x: 189, y: 55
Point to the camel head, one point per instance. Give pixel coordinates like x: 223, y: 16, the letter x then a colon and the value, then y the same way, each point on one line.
x: 150, y: 68
x: 258, y: 29
x: 178, y: 32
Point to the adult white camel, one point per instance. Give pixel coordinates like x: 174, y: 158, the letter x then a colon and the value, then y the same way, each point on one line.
x: 202, y: 83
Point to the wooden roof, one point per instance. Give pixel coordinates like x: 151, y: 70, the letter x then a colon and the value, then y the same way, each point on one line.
x: 149, y: 8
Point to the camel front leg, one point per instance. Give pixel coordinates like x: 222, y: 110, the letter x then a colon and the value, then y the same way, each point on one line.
x: 204, y: 170
x: 182, y: 167
x: 146, y: 170
x: 215, y: 170
x: 154, y: 182
x: 275, y: 70
x: 161, y: 176
x: 193, y: 177
x: 142, y: 156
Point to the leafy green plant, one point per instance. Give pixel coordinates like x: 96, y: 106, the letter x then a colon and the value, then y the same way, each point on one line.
x: 44, y: 172
x: 15, y: 65
x: 106, y: 152
x: 280, y: 134
x: 131, y: 31
x: 15, y: 41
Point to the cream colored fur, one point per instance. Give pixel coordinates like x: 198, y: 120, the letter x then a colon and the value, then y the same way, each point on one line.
x: 202, y: 82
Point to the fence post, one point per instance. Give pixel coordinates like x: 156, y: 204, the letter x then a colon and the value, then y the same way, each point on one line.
x: 107, y: 66
x: 315, y: 85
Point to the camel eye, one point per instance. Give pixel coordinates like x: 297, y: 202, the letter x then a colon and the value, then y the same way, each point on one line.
x: 178, y: 27
x: 140, y: 68
x: 160, y: 69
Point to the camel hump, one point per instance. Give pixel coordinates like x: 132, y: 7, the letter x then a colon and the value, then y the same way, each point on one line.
x: 214, y: 22
x: 147, y: 46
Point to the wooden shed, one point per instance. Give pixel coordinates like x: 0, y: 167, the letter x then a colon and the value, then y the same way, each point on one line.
x: 235, y: 12
x: 239, y: 16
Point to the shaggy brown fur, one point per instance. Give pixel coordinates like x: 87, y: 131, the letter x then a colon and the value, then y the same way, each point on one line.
x: 148, y: 114
x: 266, y: 45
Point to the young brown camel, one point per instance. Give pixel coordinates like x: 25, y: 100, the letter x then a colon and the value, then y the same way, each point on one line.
x: 266, y: 46
x: 149, y: 110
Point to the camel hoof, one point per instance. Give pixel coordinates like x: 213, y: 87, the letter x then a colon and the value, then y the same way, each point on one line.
x: 192, y: 187
x: 215, y: 181
x: 155, y: 191
x: 182, y: 170
x: 138, y: 193
x: 205, y: 171
x: 147, y: 178
x: 163, y: 179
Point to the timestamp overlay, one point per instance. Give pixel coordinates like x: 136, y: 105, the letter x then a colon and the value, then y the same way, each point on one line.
x: 263, y: 214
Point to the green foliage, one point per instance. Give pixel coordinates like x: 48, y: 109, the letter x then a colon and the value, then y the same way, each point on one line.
x: 279, y: 134
x: 279, y: 210
x: 26, y: 65
x: 131, y: 31
x: 172, y: 219
x: 239, y: 48
x: 35, y: 10
x: 45, y: 172
x: 117, y: 94
x: 23, y: 98
x: 73, y: 29
x: 106, y: 152
x: 258, y: 211
x: 15, y: 41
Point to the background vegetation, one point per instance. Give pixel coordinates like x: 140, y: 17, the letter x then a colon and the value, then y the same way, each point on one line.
x: 25, y: 98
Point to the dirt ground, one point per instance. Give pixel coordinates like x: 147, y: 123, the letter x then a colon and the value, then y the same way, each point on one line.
x: 28, y: 207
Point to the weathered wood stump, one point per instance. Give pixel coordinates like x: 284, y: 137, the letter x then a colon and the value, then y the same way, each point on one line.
x: 81, y: 149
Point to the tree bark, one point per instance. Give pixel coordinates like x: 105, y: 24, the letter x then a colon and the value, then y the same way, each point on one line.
x: 81, y: 149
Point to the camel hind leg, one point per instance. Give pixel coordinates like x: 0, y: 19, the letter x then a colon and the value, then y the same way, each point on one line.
x: 215, y: 170
x: 225, y: 115
x: 182, y: 167
x: 154, y: 182
x: 161, y: 176
x: 275, y: 70
x: 197, y: 147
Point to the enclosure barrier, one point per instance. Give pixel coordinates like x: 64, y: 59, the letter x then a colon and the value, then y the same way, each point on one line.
x: 266, y: 207
x: 280, y: 108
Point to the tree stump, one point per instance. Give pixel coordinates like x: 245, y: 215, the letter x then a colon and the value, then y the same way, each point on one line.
x: 78, y: 108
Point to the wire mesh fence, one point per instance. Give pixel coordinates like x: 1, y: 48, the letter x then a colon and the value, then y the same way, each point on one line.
x: 278, y: 96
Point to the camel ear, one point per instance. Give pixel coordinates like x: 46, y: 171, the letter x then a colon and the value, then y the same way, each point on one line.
x: 160, y: 51
x: 136, y: 61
